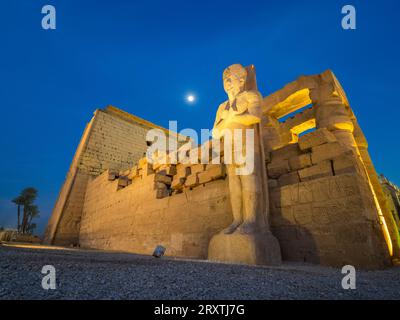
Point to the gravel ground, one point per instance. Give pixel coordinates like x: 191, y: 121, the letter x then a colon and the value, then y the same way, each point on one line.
x: 84, y: 274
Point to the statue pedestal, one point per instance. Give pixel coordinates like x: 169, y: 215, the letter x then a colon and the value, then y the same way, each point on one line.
x: 260, y: 248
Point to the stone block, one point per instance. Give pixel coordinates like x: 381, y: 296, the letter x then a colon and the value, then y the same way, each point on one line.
x: 123, y: 181
x: 160, y: 159
x: 146, y: 170
x: 288, y: 178
x: 327, y: 151
x: 345, y: 164
x: 352, y: 234
x: 303, y: 214
x: 112, y: 175
x: 276, y: 169
x: 161, y: 172
x: 133, y: 173
x: 300, y: 162
x: 178, y: 183
x: 216, y: 171
x: 289, y: 195
x: 125, y: 173
x: 285, y: 152
x: 192, y: 181
x: 170, y: 170
x: 316, y: 138
x: 156, y: 165
x: 196, y: 168
x: 162, y: 191
x: 160, y: 185
x: 302, y: 193
x: 204, y: 177
x: 213, y: 172
x: 319, y: 170
x: 162, y: 178
x: 142, y: 162
x: 182, y: 170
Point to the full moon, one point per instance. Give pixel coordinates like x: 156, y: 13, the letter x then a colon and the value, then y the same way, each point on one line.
x: 190, y: 98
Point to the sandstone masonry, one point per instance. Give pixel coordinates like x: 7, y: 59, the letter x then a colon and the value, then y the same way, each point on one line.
x: 326, y: 201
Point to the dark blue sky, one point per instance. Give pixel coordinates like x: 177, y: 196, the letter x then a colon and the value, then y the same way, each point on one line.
x: 144, y: 56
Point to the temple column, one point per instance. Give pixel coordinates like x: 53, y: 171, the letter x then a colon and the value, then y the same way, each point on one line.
x: 331, y: 113
x: 334, y: 115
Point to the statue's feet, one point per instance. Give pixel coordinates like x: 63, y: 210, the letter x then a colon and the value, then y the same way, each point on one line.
x: 232, y: 228
x: 247, y: 227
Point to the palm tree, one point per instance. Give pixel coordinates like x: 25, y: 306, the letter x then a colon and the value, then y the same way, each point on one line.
x: 32, y: 212
x: 30, y: 228
x: 29, y: 195
x: 19, y: 201
x: 26, y: 199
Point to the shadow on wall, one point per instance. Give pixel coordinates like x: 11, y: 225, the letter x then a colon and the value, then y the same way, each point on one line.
x: 296, y: 242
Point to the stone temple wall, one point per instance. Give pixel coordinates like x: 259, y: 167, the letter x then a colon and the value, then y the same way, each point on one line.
x: 112, y: 139
x: 326, y: 203
x: 132, y: 215
x: 322, y: 207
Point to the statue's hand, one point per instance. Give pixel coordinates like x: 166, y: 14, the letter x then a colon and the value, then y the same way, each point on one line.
x: 246, y: 119
x: 242, y: 106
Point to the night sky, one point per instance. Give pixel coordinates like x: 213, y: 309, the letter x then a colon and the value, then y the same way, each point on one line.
x: 146, y: 56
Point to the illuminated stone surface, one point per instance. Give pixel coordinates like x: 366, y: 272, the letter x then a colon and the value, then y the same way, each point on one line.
x: 335, y: 213
x: 247, y: 239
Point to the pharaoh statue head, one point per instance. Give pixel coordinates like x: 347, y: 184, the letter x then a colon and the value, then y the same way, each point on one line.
x: 238, y: 79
